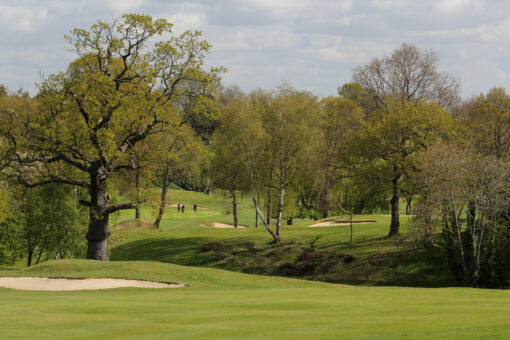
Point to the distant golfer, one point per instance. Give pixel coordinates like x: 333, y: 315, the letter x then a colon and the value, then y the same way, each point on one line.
x: 194, y: 207
x: 179, y: 207
x: 182, y: 208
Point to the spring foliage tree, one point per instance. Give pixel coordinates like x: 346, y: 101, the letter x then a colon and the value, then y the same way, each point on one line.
x: 339, y: 120
x: 386, y: 150
x: 228, y: 166
x: 120, y: 90
x: 489, y: 122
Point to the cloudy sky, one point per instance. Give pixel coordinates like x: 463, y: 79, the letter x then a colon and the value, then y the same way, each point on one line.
x: 314, y: 45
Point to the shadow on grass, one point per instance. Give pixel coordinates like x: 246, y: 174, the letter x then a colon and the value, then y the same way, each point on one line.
x: 387, y: 265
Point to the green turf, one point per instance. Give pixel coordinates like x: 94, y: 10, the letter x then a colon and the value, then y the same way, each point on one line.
x: 230, y: 304
x: 323, y: 254
x: 226, y: 305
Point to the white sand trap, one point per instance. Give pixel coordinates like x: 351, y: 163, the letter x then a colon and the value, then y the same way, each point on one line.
x: 44, y: 283
x: 224, y: 226
x: 334, y: 224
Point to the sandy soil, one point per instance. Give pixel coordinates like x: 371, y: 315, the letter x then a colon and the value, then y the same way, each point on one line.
x: 334, y: 224
x: 44, y: 283
x: 224, y: 226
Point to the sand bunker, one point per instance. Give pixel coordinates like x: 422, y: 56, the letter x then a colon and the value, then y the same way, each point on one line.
x: 334, y: 224
x: 44, y: 283
x: 224, y: 226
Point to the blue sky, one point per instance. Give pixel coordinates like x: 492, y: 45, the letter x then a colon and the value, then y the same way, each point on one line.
x: 314, y: 45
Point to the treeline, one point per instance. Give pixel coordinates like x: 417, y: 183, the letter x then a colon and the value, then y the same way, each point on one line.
x: 398, y: 133
x: 135, y: 112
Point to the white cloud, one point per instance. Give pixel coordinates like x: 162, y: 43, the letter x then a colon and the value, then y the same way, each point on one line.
x: 254, y: 38
x: 184, y: 20
x: 124, y: 6
x: 486, y: 33
x: 21, y: 18
x: 452, y: 6
x: 313, y: 44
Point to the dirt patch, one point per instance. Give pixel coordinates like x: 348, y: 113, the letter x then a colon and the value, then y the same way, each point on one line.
x: 140, y: 223
x: 223, y: 225
x: 335, y: 223
x: 53, y: 284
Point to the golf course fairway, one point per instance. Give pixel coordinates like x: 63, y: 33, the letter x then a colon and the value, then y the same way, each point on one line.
x: 219, y: 304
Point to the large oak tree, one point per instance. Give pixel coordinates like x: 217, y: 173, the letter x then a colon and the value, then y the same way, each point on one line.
x: 122, y: 89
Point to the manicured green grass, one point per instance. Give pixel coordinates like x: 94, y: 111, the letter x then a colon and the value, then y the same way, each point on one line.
x: 227, y: 305
x: 322, y: 253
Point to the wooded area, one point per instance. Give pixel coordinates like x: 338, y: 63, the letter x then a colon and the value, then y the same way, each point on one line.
x: 137, y: 112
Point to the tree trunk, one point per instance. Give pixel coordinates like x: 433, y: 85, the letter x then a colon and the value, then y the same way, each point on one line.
x: 97, y: 235
x: 276, y: 238
x: 163, y: 198
x: 395, y: 218
x: 325, y: 198
x: 280, y: 212
x: 350, y: 222
x: 234, y: 207
x: 408, y: 205
x: 269, y: 203
x: 29, y: 259
x: 257, y: 215
x: 137, y: 187
x: 471, y: 215
x: 39, y: 256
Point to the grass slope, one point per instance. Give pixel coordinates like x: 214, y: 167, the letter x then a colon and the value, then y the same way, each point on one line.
x: 227, y: 305
x: 323, y: 254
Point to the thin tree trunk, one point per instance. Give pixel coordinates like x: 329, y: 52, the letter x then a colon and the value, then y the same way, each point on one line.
x: 234, y: 207
x: 280, y: 212
x: 471, y: 215
x: 163, y: 197
x: 137, y: 187
x: 350, y: 221
x: 408, y: 205
x: 39, y: 256
x: 459, y: 239
x: 325, y: 198
x: 29, y: 259
x: 269, y: 204
x: 276, y: 238
x: 395, y: 218
x: 257, y: 215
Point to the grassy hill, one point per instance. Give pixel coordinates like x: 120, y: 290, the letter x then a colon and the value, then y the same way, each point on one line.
x: 322, y: 253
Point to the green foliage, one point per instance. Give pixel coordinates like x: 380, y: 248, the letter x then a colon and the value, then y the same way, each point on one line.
x: 53, y: 222
x: 488, y: 122
x: 11, y: 247
x: 91, y: 121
